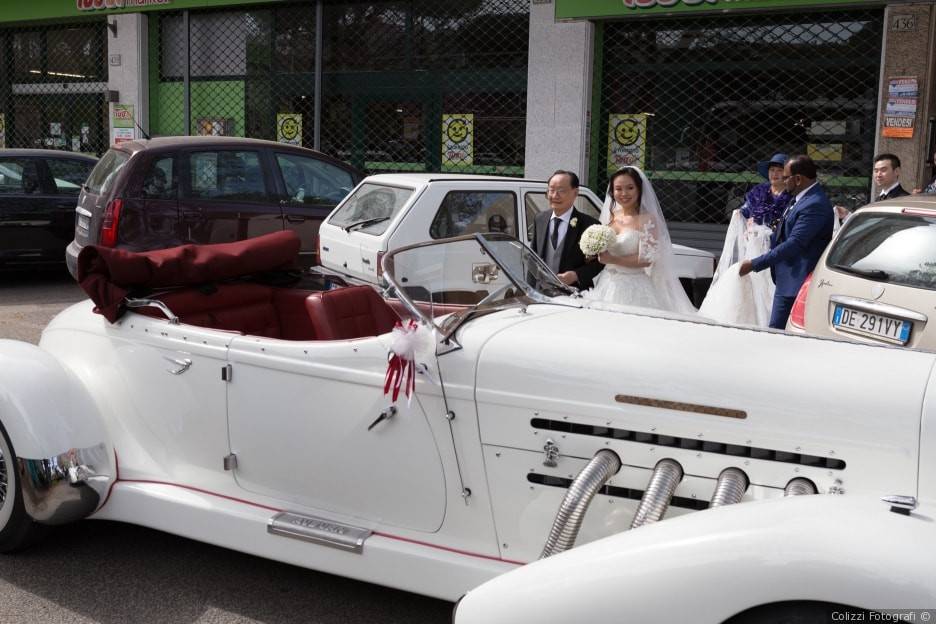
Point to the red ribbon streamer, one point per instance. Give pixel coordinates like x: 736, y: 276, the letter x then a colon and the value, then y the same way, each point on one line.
x: 401, y: 371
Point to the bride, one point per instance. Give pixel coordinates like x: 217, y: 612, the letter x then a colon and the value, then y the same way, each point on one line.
x: 639, y: 263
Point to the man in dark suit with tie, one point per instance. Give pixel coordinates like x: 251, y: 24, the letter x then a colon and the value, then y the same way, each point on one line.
x: 556, y: 233
x: 887, y: 177
x: 802, y: 235
x: 886, y: 174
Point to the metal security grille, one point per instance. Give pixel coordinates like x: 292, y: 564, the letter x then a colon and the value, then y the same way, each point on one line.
x: 53, y: 86
x: 406, y: 86
x: 698, y: 102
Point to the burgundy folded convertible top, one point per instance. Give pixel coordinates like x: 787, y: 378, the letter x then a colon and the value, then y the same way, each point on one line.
x: 108, y: 275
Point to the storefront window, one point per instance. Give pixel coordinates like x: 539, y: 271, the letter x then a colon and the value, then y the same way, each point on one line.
x: 74, y: 53
x: 53, y: 96
x: 218, y: 43
x: 294, y: 40
x: 27, y: 56
x: 698, y: 102
x: 424, y: 62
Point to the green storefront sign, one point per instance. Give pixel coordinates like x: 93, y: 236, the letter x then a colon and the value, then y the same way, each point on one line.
x: 577, y: 9
x: 19, y: 11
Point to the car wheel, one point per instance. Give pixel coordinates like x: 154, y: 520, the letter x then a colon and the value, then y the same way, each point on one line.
x: 800, y: 612
x: 17, y: 529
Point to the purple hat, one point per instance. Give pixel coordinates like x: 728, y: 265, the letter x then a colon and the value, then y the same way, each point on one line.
x: 763, y: 167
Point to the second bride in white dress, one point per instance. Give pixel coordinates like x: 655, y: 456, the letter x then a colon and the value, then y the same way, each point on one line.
x: 638, y: 263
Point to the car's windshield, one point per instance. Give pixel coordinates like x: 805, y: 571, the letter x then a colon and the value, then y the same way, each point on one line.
x: 470, y: 275
x: 897, y: 248
x: 370, y: 208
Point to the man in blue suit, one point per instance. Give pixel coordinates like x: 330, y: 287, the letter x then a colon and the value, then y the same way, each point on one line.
x: 800, y: 238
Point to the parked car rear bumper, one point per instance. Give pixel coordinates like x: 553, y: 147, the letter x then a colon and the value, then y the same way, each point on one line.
x: 71, y: 258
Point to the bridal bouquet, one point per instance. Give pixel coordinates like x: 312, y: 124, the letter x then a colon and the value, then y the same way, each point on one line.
x: 595, y: 239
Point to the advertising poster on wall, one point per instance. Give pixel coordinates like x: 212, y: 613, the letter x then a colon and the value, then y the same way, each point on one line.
x: 457, y: 141
x: 903, y: 94
x: 627, y: 140
x: 122, y: 127
x: 214, y: 126
x: 289, y: 128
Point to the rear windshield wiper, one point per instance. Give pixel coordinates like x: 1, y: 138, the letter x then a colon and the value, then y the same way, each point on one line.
x: 365, y: 223
x: 872, y: 273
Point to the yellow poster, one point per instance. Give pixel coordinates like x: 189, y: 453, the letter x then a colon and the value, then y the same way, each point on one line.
x: 289, y: 128
x: 457, y: 141
x: 824, y: 151
x: 627, y: 140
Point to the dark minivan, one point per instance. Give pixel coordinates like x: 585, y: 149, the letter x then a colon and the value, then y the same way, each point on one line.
x: 38, y: 189
x: 168, y: 191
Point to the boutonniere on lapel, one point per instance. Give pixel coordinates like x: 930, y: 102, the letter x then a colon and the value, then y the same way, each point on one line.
x: 573, y: 222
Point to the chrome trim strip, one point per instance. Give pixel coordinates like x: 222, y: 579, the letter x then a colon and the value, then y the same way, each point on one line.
x: 878, y: 308
x: 66, y: 487
x: 319, y: 531
x: 682, y: 407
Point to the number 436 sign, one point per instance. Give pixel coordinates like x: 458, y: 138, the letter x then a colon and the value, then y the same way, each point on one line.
x: 903, y: 23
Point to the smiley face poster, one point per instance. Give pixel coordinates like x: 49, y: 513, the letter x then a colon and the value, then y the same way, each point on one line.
x: 627, y: 140
x: 289, y: 128
x: 457, y: 141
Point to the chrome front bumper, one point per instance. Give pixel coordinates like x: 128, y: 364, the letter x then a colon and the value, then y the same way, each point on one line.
x: 67, y: 487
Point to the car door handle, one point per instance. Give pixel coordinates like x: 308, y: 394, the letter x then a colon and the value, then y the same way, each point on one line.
x: 192, y: 214
x: 182, y: 365
x: 295, y: 218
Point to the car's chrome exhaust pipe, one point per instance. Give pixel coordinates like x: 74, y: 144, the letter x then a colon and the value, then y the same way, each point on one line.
x: 731, y: 486
x: 593, y: 476
x: 666, y: 476
x: 799, y: 486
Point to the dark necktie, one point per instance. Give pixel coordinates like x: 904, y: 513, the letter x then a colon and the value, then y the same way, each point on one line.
x: 554, y: 237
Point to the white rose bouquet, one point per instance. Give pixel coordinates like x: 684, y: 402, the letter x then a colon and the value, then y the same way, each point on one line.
x: 595, y: 239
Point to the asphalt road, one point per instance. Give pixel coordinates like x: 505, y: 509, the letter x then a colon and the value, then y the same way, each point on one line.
x: 112, y: 573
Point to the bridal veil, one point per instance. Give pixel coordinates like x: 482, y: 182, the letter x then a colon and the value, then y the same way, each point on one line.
x: 655, y: 247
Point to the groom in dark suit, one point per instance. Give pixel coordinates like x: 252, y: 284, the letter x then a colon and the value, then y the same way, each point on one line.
x: 556, y: 233
x: 802, y: 235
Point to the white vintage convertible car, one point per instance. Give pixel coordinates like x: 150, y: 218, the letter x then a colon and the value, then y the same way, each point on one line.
x: 557, y: 462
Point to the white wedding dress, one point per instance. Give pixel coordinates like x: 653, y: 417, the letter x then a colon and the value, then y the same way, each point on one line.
x: 741, y: 300
x: 655, y: 286
x: 624, y: 285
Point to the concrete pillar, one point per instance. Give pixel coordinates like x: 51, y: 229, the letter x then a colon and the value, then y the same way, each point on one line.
x: 127, y: 64
x: 559, y: 91
x: 909, y: 53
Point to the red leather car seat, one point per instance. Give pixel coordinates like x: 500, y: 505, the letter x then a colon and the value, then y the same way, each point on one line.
x: 347, y: 313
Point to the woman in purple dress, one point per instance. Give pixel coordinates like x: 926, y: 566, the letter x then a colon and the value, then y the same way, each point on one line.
x: 747, y: 300
x: 765, y: 203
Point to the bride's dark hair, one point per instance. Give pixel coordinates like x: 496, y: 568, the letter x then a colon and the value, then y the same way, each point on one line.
x: 631, y: 173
